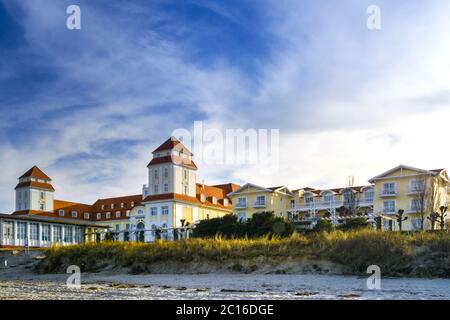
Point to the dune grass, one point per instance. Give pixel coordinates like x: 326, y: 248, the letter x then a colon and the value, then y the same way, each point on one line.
x: 416, y: 254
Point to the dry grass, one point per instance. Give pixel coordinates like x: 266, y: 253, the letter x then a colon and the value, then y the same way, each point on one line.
x: 395, y: 253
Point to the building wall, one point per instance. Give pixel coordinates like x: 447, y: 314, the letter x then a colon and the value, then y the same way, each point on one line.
x: 275, y: 201
x: 436, y: 195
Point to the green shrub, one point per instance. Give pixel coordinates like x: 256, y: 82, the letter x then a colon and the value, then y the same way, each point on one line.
x: 323, y: 225
x: 354, y: 224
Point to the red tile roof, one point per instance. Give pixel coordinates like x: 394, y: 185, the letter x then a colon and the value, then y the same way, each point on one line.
x: 35, y: 172
x: 34, y: 184
x: 175, y: 160
x: 172, y: 143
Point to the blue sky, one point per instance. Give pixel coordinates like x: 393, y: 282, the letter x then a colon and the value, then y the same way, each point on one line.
x: 88, y: 106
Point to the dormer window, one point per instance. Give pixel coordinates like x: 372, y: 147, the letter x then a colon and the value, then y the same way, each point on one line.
x: 99, y: 216
x: 112, y: 205
x: 214, y: 200
x: 61, y: 213
x: 132, y: 203
x: 225, y: 202
x: 202, y: 197
x: 103, y: 207
x: 122, y: 205
x: 74, y: 214
x: 87, y: 215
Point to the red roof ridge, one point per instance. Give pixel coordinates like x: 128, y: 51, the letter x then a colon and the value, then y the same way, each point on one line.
x: 35, y: 172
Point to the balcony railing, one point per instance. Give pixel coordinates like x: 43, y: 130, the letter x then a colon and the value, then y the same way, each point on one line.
x: 321, y: 205
x: 388, y: 193
x: 259, y: 204
x: 240, y: 205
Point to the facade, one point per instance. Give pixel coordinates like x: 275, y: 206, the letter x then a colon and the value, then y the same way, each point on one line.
x: 337, y: 204
x: 250, y: 199
x: 170, y: 205
x: 172, y: 202
x: 416, y: 191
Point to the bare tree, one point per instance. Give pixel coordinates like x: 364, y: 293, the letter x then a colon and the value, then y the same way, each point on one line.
x: 351, y: 202
x: 424, y: 197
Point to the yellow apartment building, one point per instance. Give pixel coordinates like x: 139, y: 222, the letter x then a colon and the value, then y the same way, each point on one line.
x: 250, y: 199
x: 418, y: 192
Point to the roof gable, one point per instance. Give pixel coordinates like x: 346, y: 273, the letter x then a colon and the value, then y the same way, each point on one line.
x: 172, y: 143
x: 35, y: 172
x: 402, y: 170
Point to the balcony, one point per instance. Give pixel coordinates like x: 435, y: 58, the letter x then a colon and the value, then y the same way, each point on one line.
x: 388, y: 193
x: 259, y: 204
x: 240, y: 205
x: 388, y: 210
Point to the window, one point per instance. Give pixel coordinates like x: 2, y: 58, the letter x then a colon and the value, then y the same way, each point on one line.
x: 68, y: 234
x: 309, y: 200
x: 21, y: 230
x: 416, y: 206
x: 42, y: 195
x: 78, y: 235
x: 166, y: 187
x: 117, y: 228
x: 128, y: 213
x: 185, y: 174
x: 328, y: 198
x: 417, y: 185
x: 87, y: 215
x: 368, y: 195
x: 118, y: 214
x: 166, y: 173
x: 260, y: 201
x: 165, y: 211
x: 61, y: 213
x: 185, y: 189
x: 389, y: 188
x: 214, y: 200
x: 99, y: 216
x: 154, y: 211
x: 108, y: 215
x: 122, y: 205
x: 242, y: 202
x: 155, y: 188
x: 155, y: 174
x: 389, y: 206
x: 112, y: 205
x: 41, y: 206
x: 74, y: 214
x: 132, y: 203
x: 57, y: 233
x: 140, y: 212
x: 225, y: 202
x: 416, y: 224
x: 45, y: 232
x: 34, y: 231
x: 202, y: 197
x: 241, y: 217
x: 292, y: 203
x: 103, y: 207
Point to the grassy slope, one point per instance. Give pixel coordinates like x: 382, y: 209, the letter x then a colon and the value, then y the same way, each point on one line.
x: 419, y: 254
